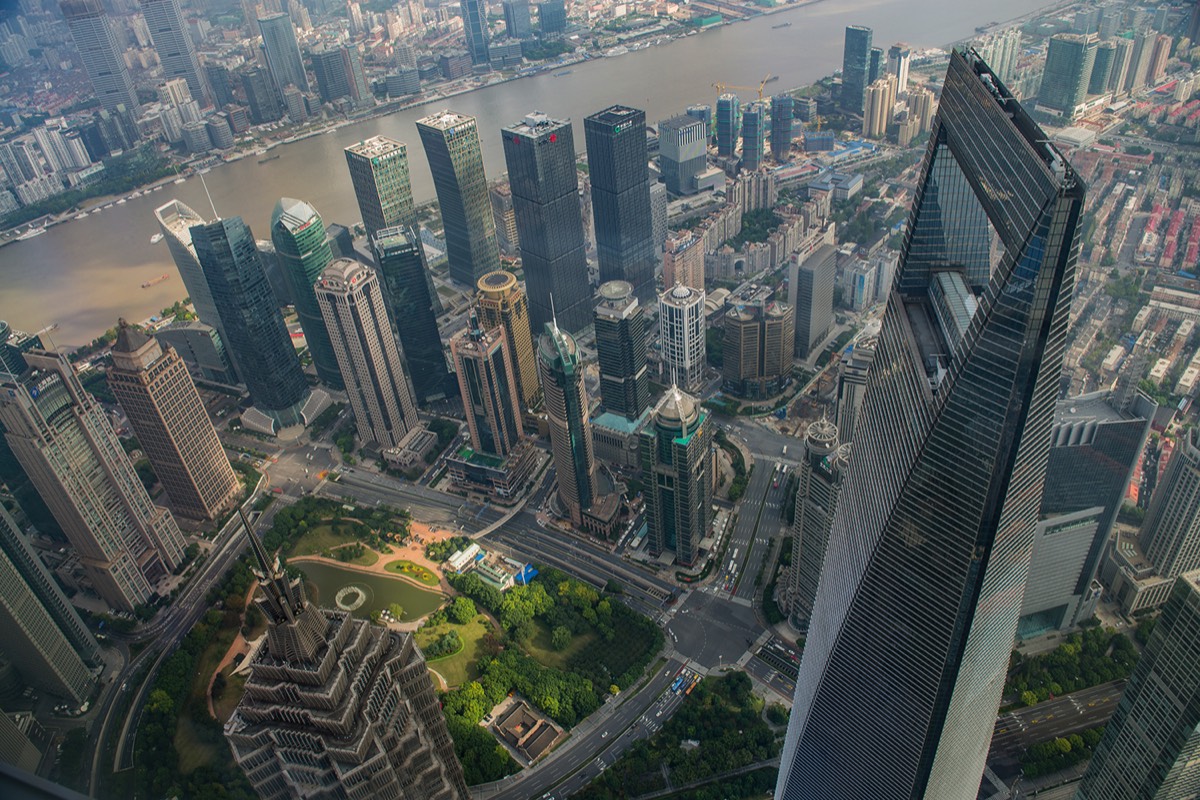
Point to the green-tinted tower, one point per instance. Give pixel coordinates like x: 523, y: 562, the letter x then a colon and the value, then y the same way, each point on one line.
x: 304, y: 252
x: 676, y: 455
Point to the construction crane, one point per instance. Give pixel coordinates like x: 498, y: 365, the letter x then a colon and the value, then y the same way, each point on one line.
x: 721, y: 87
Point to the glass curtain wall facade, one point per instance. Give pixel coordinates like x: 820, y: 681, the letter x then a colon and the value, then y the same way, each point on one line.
x: 930, y: 543
x: 540, y: 154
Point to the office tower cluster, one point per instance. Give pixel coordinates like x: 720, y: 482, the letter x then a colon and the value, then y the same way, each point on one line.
x: 930, y: 540
x: 65, y: 443
x: 357, y: 696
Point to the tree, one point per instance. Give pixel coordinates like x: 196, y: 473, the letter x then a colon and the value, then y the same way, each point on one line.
x: 614, y: 690
x: 160, y: 702
x: 462, y: 610
x: 396, y: 610
x: 560, y: 637
x: 1029, y: 698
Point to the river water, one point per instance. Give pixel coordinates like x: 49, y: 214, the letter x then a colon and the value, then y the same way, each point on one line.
x: 83, y: 274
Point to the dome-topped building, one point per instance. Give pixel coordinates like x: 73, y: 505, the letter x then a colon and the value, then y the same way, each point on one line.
x: 676, y: 458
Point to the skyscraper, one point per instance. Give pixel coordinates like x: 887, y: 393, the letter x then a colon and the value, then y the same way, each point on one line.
x: 40, y: 631
x: 783, y: 112
x: 620, y: 174
x: 1151, y: 746
x: 516, y: 19
x: 487, y: 382
x: 540, y: 154
x: 760, y: 341
x: 261, y: 95
x: 676, y: 458
x: 729, y: 123
x: 877, y: 108
x: 357, y: 696
x: 681, y: 331
x: 930, y: 541
x: 414, y: 306
x: 165, y: 20
x: 620, y: 326
x: 877, y: 63
x: 552, y: 16
x: 172, y: 426
x: 754, y: 130
x: 351, y: 299
x: 810, y: 292
x: 379, y: 173
x: 683, y: 260
x: 856, y: 68
x: 567, y: 415
x: 898, y: 60
x: 1094, y: 447
x: 339, y: 73
x: 1102, y: 68
x: 1069, y: 61
x: 62, y: 437
x: 451, y: 144
x: 823, y: 463
x: 682, y: 142
x: 302, y: 246
x: 101, y: 53
x: 283, y: 52
x: 475, y: 30
x: 175, y: 222
x: 502, y: 304
x: 256, y: 333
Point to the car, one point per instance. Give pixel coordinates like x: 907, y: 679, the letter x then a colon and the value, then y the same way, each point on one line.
x: 659, y: 714
x: 604, y: 735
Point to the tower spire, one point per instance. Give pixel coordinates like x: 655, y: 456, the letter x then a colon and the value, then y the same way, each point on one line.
x: 283, y: 601
x: 553, y: 316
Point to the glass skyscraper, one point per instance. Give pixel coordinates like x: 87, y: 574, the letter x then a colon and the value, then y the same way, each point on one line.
x: 101, y: 53
x: 283, y: 52
x: 414, y: 306
x: 255, y: 328
x: 164, y: 18
x: 783, y: 112
x: 618, y: 166
x: 540, y: 153
x: 379, y: 172
x: 451, y: 144
x: 754, y: 129
x: 729, y: 123
x: 302, y: 246
x: 856, y: 68
x: 917, y: 604
x: 475, y: 30
x: 561, y: 372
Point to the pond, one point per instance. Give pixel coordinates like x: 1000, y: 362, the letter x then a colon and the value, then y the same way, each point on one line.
x: 360, y: 593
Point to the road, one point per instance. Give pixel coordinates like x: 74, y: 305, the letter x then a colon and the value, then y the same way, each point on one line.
x: 595, y: 743
x: 427, y: 505
x: 1084, y: 709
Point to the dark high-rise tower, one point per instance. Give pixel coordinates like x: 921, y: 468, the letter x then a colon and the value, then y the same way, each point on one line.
x: 475, y: 30
x: 783, y: 112
x: 930, y: 543
x: 164, y: 18
x: 261, y: 95
x: 566, y: 407
x: 379, y: 171
x: 676, y: 458
x: 256, y: 333
x: 754, y: 128
x: 1151, y: 746
x: 101, y: 53
x: 451, y: 144
x: 621, y: 350
x: 618, y: 167
x: 487, y: 380
x: 540, y: 153
x: 729, y: 123
x: 283, y: 52
x: 337, y: 707
x: 818, y: 482
x: 856, y: 68
x: 302, y: 246
x: 516, y: 19
x: 414, y: 306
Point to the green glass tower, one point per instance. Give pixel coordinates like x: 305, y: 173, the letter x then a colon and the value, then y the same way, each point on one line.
x: 566, y: 405
x: 451, y: 144
x: 304, y: 252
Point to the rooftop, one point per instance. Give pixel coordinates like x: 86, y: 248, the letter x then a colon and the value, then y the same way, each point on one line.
x: 376, y: 146
x: 445, y: 120
x: 615, y: 115
x: 536, y: 122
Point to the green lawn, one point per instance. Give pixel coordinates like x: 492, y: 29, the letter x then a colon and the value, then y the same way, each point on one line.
x: 460, y: 667
x: 193, y: 753
x: 411, y: 570
x: 540, y: 650
x: 235, y: 685
x: 367, y: 559
x: 322, y: 537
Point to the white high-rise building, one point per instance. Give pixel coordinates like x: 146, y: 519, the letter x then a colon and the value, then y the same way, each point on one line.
x: 681, y: 322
